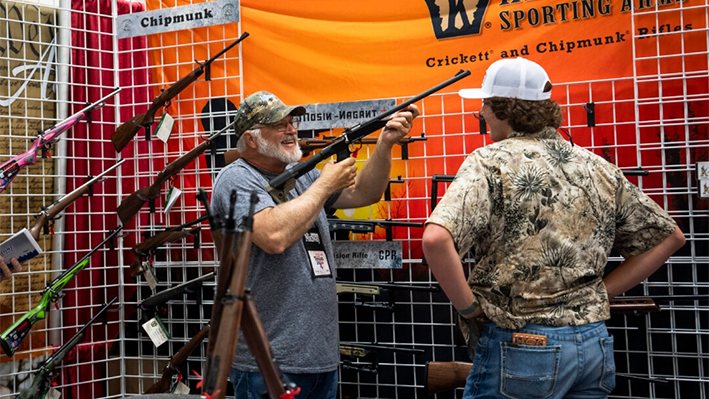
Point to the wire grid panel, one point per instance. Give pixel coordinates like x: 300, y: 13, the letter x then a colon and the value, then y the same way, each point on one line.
x: 201, y: 109
x: 44, y: 71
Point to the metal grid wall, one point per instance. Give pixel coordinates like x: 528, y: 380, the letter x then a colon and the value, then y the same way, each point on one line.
x: 36, y: 63
x: 670, y: 344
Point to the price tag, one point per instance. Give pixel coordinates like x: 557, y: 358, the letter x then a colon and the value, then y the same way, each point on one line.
x: 172, y: 196
x: 156, y: 331
x: 164, y: 129
x: 149, y: 275
x: 181, y: 389
x: 52, y: 394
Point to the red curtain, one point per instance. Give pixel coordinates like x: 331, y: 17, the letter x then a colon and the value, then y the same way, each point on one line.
x: 92, y: 218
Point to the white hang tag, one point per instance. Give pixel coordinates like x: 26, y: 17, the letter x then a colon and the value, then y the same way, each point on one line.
x: 164, y: 129
x: 149, y: 275
x: 172, y: 196
x: 181, y: 389
x: 53, y: 394
x: 156, y: 331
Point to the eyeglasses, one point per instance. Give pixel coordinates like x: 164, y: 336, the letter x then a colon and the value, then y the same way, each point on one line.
x: 282, y: 126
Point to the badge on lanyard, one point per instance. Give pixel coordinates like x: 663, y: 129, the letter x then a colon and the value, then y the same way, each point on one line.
x: 316, y: 253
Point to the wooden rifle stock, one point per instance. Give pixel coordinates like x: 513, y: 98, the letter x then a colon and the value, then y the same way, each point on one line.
x: 444, y: 376
x: 125, y: 133
x: 50, y: 212
x: 130, y: 206
x: 164, y: 384
x: 156, y: 241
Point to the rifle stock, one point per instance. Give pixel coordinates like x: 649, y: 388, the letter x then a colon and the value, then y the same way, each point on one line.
x: 130, y: 206
x: 10, y: 169
x: 164, y: 384
x: 50, y: 212
x: 444, y: 376
x: 125, y: 133
x: 144, y: 248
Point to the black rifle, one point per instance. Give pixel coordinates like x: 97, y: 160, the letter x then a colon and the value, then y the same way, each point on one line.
x: 368, y: 226
x: 154, y: 302
x: 361, y: 350
x: 373, y: 288
x: 41, y: 383
x: 281, y: 185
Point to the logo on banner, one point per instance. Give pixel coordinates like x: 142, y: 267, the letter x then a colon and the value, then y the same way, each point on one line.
x: 456, y: 18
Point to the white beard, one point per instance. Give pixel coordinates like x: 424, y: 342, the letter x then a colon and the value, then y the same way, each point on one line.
x: 274, y: 150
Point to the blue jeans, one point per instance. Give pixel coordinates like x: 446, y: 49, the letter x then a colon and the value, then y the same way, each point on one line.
x: 577, y: 362
x: 249, y: 385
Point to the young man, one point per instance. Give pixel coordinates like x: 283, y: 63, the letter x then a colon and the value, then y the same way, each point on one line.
x: 540, y: 217
x: 292, y: 284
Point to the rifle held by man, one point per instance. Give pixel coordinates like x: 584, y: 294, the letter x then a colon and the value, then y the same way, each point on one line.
x: 11, y: 339
x: 130, y: 206
x: 41, y: 383
x: 279, y: 186
x: 125, y: 133
x: 10, y: 169
x: 48, y: 213
x: 164, y: 384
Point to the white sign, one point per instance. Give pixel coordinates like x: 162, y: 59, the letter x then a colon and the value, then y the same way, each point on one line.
x: 178, y: 18
x: 342, y: 115
x: 367, y: 254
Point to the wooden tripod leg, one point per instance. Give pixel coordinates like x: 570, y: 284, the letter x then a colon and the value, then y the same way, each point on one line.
x: 260, y: 347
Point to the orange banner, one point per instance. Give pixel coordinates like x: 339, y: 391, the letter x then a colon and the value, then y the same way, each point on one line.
x: 325, y: 51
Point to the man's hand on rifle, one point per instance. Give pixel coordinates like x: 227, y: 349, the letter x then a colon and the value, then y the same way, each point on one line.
x: 338, y: 176
x: 399, y: 125
x: 6, y: 273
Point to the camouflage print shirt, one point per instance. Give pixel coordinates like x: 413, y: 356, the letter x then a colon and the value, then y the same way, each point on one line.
x: 540, y: 217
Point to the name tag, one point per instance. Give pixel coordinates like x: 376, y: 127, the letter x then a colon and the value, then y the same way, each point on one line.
x: 316, y: 253
x: 529, y: 339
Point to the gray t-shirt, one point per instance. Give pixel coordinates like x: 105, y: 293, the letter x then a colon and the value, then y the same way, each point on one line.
x: 298, y: 311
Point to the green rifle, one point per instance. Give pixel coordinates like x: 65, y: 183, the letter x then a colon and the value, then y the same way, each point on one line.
x: 12, y: 338
x: 281, y: 185
x: 125, y: 133
x: 164, y: 384
x: 40, y: 385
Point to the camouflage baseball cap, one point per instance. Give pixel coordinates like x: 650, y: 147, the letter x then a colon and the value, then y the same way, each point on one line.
x: 263, y: 107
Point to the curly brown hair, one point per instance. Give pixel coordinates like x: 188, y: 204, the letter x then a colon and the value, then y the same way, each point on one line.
x: 526, y: 116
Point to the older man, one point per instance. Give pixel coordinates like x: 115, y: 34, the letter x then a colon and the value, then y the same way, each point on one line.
x: 291, y: 270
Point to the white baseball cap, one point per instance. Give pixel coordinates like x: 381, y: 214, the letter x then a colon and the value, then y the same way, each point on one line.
x: 513, y: 78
